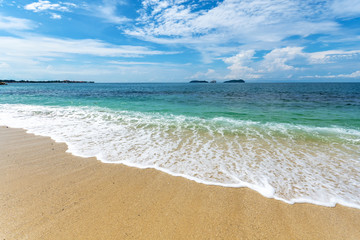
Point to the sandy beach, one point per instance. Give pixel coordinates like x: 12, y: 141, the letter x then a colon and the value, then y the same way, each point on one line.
x: 46, y: 193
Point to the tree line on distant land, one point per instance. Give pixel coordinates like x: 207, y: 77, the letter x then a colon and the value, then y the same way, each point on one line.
x: 51, y: 81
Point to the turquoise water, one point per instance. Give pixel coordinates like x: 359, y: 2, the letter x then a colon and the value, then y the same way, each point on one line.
x: 296, y: 142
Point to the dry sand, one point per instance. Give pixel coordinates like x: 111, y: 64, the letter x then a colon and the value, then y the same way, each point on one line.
x: 46, y: 193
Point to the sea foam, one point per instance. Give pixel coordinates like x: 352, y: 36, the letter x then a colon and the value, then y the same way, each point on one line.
x: 292, y: 163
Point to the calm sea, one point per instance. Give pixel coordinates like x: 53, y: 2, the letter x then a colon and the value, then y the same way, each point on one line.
x: 296, y: 142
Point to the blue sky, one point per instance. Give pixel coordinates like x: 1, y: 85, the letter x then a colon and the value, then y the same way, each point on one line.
x: 180, y: 40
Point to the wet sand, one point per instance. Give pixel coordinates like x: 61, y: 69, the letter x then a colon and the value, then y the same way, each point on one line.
x: 46, y: 193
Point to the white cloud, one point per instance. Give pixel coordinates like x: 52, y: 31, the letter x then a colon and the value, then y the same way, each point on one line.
x: 331, y: 56
x: 209, y: 74
x: 346, y: 8
x: 93, y: 71
x: 12, y: 23
x: 107, y: 11
x: 51, y: 8
x: 239, y: 65
x: 55, y: 16
x: 38, y: 57
x: 139, y: 63
x: 351, y: 75
x: 250, y: 23
x: 132, y: 63
x: 277, y: 59
x: 38, y: 46
x: 43, y: 5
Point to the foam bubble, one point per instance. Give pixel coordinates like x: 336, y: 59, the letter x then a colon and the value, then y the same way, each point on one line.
x: 292, y: 163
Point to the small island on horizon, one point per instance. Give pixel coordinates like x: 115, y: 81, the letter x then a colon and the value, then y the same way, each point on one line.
x: 235, y: 81
x: 198, y: 81
x: 213, y: 81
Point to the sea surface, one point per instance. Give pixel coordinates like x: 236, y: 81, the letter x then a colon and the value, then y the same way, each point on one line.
x: 296, y: 142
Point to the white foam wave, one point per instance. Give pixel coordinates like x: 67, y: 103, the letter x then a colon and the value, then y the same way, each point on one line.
x: 288, y: 162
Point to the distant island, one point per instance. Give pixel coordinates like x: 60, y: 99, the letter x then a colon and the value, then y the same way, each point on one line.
x: 235, y: 81
x: 198, y: 81
x: 52, y: 81
x: 214, y: 81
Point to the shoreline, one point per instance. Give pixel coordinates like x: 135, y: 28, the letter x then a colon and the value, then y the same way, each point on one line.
x: 47, y: 193
x: 290, y: 162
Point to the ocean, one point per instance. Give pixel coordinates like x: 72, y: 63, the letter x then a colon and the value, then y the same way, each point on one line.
x: 295, y: 142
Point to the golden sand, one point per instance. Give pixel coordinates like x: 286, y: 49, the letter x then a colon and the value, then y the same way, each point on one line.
x: 46, y: 193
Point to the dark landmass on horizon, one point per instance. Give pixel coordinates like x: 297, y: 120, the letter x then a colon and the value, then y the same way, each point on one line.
x: 50, y: 81
x: 230, y: 81
x: 235, y: 81
x: 198, y: 81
